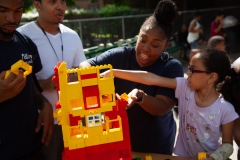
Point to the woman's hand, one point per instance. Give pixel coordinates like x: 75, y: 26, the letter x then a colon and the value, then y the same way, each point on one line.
x: 134, y: 95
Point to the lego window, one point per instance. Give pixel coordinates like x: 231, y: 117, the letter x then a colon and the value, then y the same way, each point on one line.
x: 103, y: 117
x: 94, y: 120
x: 75, y: 132
x: 72, y: 77
x: 104, y: 73
x: 103, y: 121
x: 75, y: 104
x: 106, y: 98
x: 92, y: 102
x: 114, y: 126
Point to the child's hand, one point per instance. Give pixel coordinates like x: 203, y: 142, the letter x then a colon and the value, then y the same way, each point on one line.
x: 105, y: 74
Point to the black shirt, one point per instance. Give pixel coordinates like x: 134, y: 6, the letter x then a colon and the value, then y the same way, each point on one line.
x: 18, y: 115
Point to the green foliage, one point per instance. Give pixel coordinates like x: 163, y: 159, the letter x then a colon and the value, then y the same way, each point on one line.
x: 113, y: 10
x: 107, y: 11
x: 80, y: 13
x: 101, y: 31
x: 28, y: 4
x: 122, y: 2
x: 71, y: 3
x: 118, y: 2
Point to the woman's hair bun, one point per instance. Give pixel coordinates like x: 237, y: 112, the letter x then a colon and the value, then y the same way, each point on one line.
x: 166, y: 11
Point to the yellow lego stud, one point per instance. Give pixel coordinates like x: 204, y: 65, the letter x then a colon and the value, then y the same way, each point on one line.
x: 202, y: 155
x: 124, y: 96
x: 148, y: 157
x: 16, y: 66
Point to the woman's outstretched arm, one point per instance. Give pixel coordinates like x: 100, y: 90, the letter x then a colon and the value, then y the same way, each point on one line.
x: 145, y: 77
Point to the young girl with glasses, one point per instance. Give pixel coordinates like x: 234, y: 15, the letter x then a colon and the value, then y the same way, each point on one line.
x: 207, y: 100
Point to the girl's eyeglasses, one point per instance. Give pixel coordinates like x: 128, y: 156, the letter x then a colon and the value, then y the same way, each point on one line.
x: 191, y: 70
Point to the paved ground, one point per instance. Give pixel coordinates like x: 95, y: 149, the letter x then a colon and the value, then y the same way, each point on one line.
x: 185, y: 65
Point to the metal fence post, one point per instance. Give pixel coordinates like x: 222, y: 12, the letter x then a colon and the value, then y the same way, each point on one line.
x: 80, y: 29
x: 123, y: 28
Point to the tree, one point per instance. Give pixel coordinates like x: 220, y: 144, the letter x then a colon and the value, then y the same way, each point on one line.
x: 143, y: 4
x: 28, y: 5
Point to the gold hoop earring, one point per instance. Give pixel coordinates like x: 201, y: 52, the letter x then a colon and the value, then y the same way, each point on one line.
x: 166, y: 53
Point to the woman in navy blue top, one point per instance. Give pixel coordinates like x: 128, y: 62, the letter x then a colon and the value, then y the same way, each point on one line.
x: 152, y: 127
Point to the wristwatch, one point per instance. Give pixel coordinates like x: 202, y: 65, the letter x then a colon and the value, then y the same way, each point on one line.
x: 141, y: 99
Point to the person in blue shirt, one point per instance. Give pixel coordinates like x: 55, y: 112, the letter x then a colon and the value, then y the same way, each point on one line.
x: 150, y: 130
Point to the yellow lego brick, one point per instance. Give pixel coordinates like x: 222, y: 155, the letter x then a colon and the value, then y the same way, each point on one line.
x: 148, y: 157
x: 95, y: 130
x: 98, y: 142
x: 89, y: 82
x: 74, y: 70
x: 76, y: 141
x: 106, y: 87
x: 66, y: 144
x: 110, y: 140
x: 72, y: 146
x: 88, y: 143
x: 119, y: 135
x: 105, y: 66
x: 114, y: 136
x: 81, y: 145
x: 15, y: 68
x: 202, y: 155
x: 93, y: 138
x: 124, y: 96
x: 88, y: 70
x: 103, y: 140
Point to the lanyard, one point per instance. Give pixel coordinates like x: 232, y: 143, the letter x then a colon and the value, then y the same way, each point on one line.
x: 50, y: 41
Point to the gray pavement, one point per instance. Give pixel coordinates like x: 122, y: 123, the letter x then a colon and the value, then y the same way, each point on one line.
x: 233, y: 57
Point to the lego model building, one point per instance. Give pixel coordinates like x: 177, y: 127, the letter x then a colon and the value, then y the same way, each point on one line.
x: 94, y: 123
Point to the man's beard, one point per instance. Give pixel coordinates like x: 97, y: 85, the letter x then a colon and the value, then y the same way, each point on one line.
x: 7, y: 35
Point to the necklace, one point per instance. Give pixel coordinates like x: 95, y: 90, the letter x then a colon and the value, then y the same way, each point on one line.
x: 50, y: 41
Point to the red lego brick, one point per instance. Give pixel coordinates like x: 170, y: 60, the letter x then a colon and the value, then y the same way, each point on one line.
x: 91, y: 91
x: 57, y: 105
x: 55, y: 77
x: 74, y: 120
x: 89, y: 76
x: 75, y: 154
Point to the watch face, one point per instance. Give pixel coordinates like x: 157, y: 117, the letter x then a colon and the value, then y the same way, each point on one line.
x: 141, y: 98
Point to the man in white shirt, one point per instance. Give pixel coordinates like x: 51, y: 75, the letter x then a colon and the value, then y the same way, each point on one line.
x: 55, y: 43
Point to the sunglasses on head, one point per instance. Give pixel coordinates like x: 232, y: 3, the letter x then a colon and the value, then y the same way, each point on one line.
x: 191, y: 70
